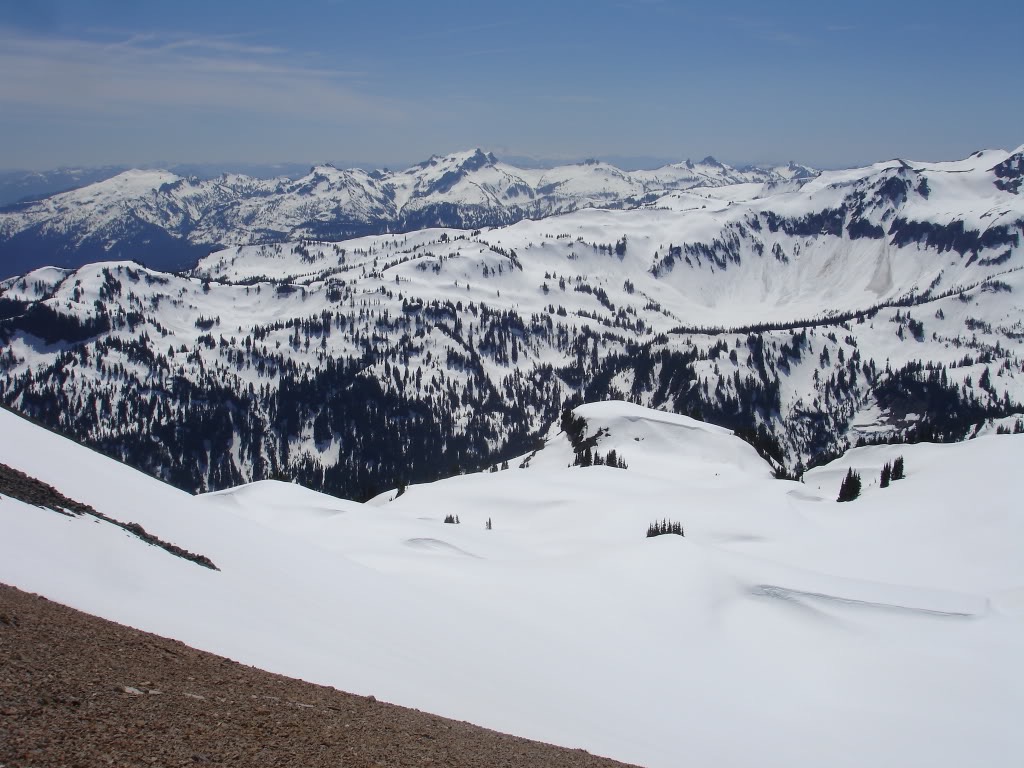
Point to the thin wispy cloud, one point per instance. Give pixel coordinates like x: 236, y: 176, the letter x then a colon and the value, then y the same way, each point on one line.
x: 222, y: 44
x: 144, y: 71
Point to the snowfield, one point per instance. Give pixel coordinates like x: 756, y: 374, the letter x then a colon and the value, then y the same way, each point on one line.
x: 783, y: 630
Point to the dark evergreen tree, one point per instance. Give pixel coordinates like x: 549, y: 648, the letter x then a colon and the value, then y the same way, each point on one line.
x: 850, y: 488
x: 897, y: 469
x: 886, y: 475
x: 614, y: 460
x: 587, y: 459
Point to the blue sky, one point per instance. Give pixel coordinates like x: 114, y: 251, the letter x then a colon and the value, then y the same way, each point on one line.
x: 829, y: 84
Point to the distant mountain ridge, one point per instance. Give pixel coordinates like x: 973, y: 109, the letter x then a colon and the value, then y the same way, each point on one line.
x: 18, y: 185
x: 167, y: 221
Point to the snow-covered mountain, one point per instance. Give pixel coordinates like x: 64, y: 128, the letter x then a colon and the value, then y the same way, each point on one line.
x: 783, y: 629
x: 20, y: 185
x: 16, y: 186
x: 167, y: 221
x: 865, y: 305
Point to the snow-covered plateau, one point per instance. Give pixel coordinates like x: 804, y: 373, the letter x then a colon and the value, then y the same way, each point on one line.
x: 783, y: 629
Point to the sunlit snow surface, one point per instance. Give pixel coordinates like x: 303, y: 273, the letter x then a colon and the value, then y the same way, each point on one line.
x: 784, y: 629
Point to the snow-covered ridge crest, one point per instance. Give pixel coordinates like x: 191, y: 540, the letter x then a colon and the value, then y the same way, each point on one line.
x: 650, y: 442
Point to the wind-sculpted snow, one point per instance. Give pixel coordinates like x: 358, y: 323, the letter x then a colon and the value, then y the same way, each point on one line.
x: 883, y: 597
x: 886, y: 631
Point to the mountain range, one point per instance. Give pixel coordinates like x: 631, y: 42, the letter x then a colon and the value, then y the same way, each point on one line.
x: 807, y: 314
x: 168, y: 221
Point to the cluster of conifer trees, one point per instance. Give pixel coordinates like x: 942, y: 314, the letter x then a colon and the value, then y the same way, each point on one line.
x: 589, y: 458
x: 665, y: 526
x: 851, y: 485
x: 892, y: 472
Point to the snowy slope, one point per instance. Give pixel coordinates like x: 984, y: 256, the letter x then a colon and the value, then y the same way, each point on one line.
x: 783, y: 630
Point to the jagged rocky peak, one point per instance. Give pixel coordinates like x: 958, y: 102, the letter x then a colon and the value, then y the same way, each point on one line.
x: 800, y: 171
x: 479, y: 159
x: 472, y: 159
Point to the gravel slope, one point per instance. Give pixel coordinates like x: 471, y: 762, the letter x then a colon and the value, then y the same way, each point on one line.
x: 76, y: 690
